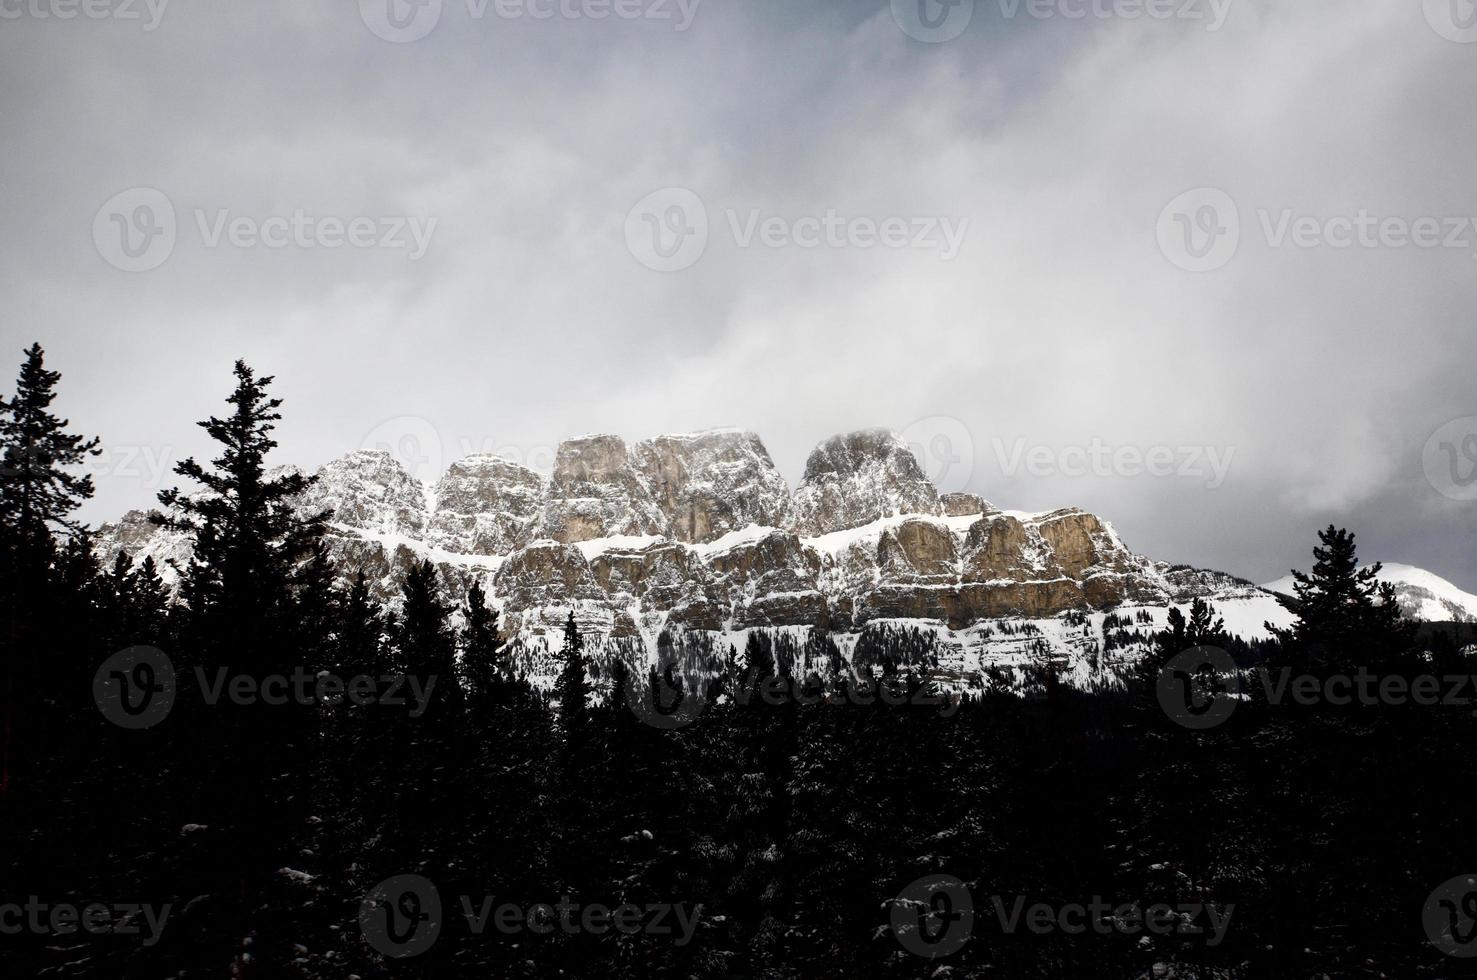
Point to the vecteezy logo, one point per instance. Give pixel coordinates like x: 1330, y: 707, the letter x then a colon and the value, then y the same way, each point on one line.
x: 413, y: 441
x: 400, y: 21
x: 135, y: 230
x: 401, y: 916
x: 662, y: 698
x: 1455, y: 20
x: 667, y: 230
x: 933, y: 917
x: 1200, y: 230
x: 134, y: 688
x: 933, y: 21
x: 1197, y: 688
x: 1450, y: 459
x: 1450, y: 917
x: 944, y: 449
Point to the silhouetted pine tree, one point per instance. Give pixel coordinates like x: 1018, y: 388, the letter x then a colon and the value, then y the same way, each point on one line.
x: 1202, y: 628
x: 137, y: 603
x: 422, y: 796
x: 481, y: 664
x: 572, y: 693
x: 425, y: 642
x: 241, y: 590
x: 360, y: 630
x: 510, y: 826
x: 247, y: 534
x: 39, y: 491
x: 1346, y: 617
x: 315, y: 613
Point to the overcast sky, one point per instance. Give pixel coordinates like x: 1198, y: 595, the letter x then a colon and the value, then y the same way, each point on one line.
x: 1030, y: 238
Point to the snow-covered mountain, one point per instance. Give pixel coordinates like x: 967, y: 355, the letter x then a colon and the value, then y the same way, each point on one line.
x: 701, y: 533
x: 1422, y: 594
x: 854, y: 479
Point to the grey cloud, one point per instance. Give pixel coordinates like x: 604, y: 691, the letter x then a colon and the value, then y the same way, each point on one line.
x: 528, y: 320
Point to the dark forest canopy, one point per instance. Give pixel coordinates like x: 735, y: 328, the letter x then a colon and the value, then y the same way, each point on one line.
x: 785, y: 831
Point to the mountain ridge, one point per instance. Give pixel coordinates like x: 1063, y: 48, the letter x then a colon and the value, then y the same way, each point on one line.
x: 1422, y: 594
x: 699, y: 532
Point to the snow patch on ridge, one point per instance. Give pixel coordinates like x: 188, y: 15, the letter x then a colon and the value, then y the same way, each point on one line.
x: 750, y: 534
x: 1422, y: 594
x: 392, y: 540
x: 618, y: 542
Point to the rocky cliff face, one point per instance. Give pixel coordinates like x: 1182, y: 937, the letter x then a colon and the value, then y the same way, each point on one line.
x: 711, y: 483
x: 136, y: 534
x: 486, y: 505
x: 858, y: 478
x: 368, y: 490
x: 597, y: 492
x: 700, y: 531
x: 964, y: 504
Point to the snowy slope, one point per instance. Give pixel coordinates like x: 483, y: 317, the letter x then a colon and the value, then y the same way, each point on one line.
x: 1423, y: 595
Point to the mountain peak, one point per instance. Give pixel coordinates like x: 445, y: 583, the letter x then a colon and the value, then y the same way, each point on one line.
x: 859, y: 477
x: 711, y: 483
x: 596, y: 491
x: 1422, y: 594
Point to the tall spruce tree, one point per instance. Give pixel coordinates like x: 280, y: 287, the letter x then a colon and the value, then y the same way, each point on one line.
x: 572, y: 689
x: 427, y: 801
x: 479, y: 645
x: 1202, y: 628
x: 37, y: 491
x: 360, y: 630
x: 315, y: 613
x: 427, y: 645
x: 137, y: 603
x: 1345, y: 616
x: 248, y: 536
x: 241, y: 590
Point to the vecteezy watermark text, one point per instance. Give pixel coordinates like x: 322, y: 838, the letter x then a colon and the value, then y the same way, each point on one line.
x: 150, y: 12
x: 1212, y: 12
x: 935, y: 916
x: 1201, y: 687
x: 1455, y: 20
x: 404, y: 21
x: 136, y: 688
x: 1450, y: 459
x: 137, y: 230
x: 937, y: 21
x: 1208, y: 463
x: 403, y: 917
x: 1450, y: 917
x: 663, y: 699
x: 94, y: 918
x: 1105, y: 918
x: 668, y: 230
x: 1201, y: 230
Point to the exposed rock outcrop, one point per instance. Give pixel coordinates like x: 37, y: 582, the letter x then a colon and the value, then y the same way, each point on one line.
x: 699, y: 531
x: 137, y: 535
x: 486, y: 505
x: 858, y: 478
x: 710, y: 483
x: 768, y: 580
x: 597, y: 492
x: 369, y: 490
x: 965, y: 504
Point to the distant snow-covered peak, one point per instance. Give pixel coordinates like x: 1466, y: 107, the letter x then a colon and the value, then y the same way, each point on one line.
x: 1423, y: 595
